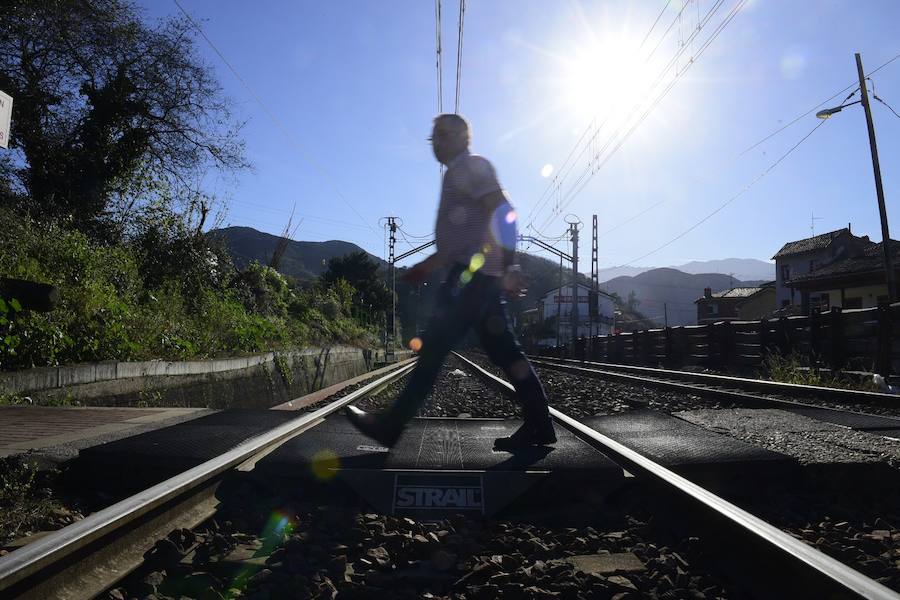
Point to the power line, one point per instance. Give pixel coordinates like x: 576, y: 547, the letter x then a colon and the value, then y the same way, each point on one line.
x: 284, y: 130
x: 459, y: 47
x: 652, y: 27
x: 439, y: 52
x: 767, y: 137
x: 588, y: 174
x: 744, y: 190
x: 890, y: 108
x: 819, y: 105
x: 561, y: 173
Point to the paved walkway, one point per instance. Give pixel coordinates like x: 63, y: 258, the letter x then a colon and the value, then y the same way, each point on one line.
x: 24, y: 428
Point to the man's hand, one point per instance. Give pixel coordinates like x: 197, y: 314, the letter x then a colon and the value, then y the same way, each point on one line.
x: 514, y: 284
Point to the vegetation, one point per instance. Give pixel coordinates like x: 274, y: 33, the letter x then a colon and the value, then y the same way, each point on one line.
x: 110, y: 114
x: 114, y: 121
x: 165, y: 293
x: 792, y: 369
x: 27, y: 503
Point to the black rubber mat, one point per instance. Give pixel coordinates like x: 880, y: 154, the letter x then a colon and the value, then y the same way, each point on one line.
x: 851, y: 420
x: 435, y: 444
x: 189, y: 443
x: 676, y: 443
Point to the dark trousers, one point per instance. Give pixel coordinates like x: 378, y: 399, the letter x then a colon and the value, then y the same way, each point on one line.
x: 465, y: 302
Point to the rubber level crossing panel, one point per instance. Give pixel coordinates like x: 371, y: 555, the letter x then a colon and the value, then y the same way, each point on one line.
x: 439, y: 465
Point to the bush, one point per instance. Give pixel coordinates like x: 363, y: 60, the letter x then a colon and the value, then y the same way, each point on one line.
x: 166, y: 293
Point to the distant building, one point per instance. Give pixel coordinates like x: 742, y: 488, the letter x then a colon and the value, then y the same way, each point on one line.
x: 853, y: 282
x: 736, y: 304
x: 558, y: 301
x: 804, y: 256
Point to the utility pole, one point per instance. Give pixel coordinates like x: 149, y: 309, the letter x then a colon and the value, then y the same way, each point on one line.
x: 595, y: 282
x: 573, y: 228
x: 389, y: 335
x: 559, y: 302
x: 890, y: 279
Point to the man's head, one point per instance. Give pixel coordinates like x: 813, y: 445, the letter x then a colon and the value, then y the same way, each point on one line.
x: 450, y: 136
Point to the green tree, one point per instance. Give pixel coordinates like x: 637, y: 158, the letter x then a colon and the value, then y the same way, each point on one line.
x: 106, y: 106
x: 361, y: 272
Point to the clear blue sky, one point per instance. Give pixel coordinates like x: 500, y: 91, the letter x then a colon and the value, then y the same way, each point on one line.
x: 355, y: 85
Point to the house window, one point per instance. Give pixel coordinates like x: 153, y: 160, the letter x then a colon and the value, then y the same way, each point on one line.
x: 713, y: 309
x: 785, y: 272
x: 853, y: 303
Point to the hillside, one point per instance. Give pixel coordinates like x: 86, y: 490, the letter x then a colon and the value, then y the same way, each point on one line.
x: 745, y: 269
x: 303, y: 260
x: 742, y: 268
x: 669, y: 290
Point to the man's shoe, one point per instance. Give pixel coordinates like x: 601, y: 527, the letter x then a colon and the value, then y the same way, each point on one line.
x: 527, y: 436
x: 374, y: 426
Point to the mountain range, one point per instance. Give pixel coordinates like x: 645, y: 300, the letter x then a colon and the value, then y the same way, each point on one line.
x: 661, y: 294
x: 303, y: 260
x: 745, y: 269
x: 668, y: 295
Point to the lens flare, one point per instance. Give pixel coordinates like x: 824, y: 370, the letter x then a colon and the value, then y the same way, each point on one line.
x: 476, y: 262
x: 547, y: 170
x: 511, y: 216
x: 465, y: 277
x: 415, y: 344
x: 325, y: 464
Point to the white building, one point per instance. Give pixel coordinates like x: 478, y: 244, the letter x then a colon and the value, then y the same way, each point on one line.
x: 558, y: 302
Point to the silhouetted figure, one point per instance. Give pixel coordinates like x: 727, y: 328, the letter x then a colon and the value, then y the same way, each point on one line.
x: 476, y: 240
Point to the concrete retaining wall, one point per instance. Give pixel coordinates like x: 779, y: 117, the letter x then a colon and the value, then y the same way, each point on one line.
x: 251, y: 381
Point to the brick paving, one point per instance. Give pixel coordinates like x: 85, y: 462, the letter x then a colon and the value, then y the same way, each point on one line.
x: 24, y: 428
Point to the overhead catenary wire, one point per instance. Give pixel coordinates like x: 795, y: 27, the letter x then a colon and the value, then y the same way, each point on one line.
x: 588, y: 174
x: 459, y: 49
x: 591, y: 170
x: 561, y: 172
x: 323, y: 173
x: 652, y: 27
x: 438, y: 55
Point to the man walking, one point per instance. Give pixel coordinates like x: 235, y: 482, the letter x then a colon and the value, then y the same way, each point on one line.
x: 475, y: 238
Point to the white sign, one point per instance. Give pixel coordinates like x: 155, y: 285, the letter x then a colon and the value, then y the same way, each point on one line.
x: 5, y: 118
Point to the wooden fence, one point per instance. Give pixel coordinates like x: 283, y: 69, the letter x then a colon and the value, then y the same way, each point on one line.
x: 855, y: 339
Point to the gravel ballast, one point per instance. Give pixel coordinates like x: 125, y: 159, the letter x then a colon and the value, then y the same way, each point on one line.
x: 265, y: 547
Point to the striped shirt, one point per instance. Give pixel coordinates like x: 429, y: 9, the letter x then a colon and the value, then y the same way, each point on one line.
x: 465, y: 223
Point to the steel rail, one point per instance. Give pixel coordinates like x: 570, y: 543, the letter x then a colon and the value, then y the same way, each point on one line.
x: 740, y: 396
x: 838, y: 577
x: 763, y: 385
x: 85, y: 536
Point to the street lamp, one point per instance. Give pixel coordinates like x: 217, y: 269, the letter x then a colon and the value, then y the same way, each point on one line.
x: 879, y: 189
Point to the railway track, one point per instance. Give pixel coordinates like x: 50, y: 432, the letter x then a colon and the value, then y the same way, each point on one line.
x: 90, y: 556
x: 754, y: 392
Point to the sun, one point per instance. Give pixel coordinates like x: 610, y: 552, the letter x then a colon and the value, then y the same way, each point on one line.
x: 608, y: 78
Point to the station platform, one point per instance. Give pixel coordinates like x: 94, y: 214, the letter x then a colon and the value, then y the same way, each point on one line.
x: 174, y: 449
x: 60, y: 432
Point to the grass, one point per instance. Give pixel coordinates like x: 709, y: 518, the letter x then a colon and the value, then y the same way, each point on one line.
x: 793, y: 369
x: 27, y: 503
